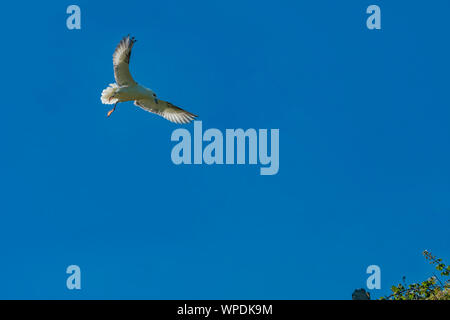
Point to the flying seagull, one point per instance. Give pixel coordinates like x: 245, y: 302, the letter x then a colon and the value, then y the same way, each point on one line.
x: 126, y: 89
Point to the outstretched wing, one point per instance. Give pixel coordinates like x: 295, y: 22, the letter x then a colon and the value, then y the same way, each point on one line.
x: 121, y: 62
x: 166, y: 110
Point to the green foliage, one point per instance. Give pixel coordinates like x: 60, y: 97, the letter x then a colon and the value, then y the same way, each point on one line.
x: 434, y: 288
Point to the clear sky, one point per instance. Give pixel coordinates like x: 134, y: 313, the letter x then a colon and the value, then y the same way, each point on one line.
x: 364, y: 149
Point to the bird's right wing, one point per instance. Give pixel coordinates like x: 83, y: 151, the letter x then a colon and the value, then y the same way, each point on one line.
x: 121, y: 62
x: 166, y: 110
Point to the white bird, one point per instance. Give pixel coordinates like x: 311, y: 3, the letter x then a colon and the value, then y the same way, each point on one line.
x: 126, y: 89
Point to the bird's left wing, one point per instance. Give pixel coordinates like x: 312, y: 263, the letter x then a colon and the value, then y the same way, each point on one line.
x: 121, y: 62
x: 166, y: 110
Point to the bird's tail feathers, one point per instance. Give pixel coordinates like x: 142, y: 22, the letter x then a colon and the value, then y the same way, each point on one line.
x: 108, y: 93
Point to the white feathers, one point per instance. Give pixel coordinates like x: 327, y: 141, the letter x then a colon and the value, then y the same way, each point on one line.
x: 166, y: 110
x: 108, y: 93
x: 121, y: 62
x: 126, y: 89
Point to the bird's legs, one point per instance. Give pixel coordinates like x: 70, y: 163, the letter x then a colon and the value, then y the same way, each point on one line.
x: 112, y: 110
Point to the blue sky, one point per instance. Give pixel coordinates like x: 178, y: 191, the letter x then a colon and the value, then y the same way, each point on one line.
x: 364, y: 158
